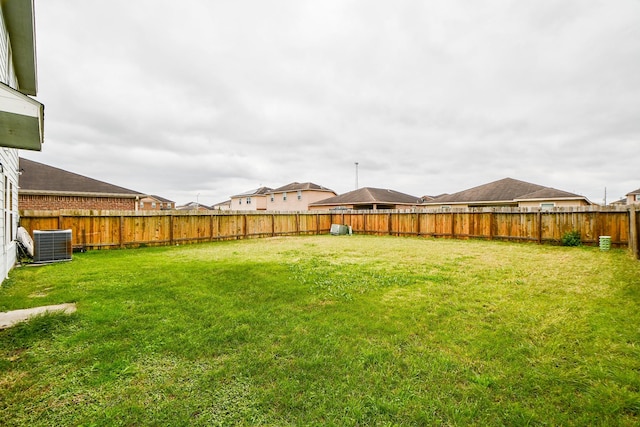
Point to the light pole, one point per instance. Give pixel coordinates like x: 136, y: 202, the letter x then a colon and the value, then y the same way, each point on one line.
x: 356, y: 175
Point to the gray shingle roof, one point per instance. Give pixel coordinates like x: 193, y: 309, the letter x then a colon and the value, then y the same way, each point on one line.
x: 548, y: 193
x: 38, y: 177
x: 192, y: 205
x: 504, y: 190
x: 633, y: 192
x: 367, y: 195
x: 255, y: 192
x: 295, y: 186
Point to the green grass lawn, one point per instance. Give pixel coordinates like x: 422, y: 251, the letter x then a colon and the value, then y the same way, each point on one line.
x: 327, y: 330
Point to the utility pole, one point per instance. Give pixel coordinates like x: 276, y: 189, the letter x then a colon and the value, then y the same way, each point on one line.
x: 356, y: 175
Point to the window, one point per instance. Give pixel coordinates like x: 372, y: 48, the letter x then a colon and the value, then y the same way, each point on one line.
x: 248, y: 200
x: 547, y: 206
x: 284, y: 196
x: 272, y: 197
x: 239, y: 201
x: 141, y: 204
x: 153, y: 205
x: 5, y: 218
x: 8, y: 210
x: 299, y: 194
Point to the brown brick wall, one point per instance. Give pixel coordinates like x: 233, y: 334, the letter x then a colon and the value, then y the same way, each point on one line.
x: 35, y: 202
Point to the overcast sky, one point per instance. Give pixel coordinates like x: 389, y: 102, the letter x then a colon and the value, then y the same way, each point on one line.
x: 206, y: 99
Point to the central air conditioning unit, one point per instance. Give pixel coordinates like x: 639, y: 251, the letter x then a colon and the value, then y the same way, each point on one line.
x: 52, y: 245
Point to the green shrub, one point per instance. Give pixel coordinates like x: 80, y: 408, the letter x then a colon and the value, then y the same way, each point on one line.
x: 571, y: 238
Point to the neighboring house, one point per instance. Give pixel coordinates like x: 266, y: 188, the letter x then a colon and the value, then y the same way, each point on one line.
x: 222, y: 206
x: 253, y: 200
x: 368, y: 198
x: 21, y: 117
x: 44, y: 187
x: 509, y: 192
x: 155, y: 203
x: 193, y: 206
x: 633, y: 197
x: 297, y: 196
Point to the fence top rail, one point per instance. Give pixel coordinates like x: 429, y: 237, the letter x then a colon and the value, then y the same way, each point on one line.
x: 174, y: 212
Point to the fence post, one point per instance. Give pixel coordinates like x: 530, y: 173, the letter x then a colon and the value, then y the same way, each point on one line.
x: 491, y: 220
x: 171, y: 237
x: 121, y: 243
x: 453, y: 225
x: 633, y: 231
x: 539, y: 227
x: 244, y: 225
x: 273, y: 225
x: 211, y: 227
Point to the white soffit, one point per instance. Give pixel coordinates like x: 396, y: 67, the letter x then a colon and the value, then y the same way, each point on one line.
x: 21, y: 120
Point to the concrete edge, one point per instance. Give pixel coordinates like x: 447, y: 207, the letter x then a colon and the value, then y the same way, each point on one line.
x: 11, y: 318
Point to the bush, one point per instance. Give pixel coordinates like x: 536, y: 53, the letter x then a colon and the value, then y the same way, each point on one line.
x: 572, y: 238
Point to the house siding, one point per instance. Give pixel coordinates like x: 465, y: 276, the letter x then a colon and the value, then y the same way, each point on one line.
x: 9, y: 160
x: 258, y: 203
x: 633, y: 198
x: 292, y: 203
x: 557, y: 203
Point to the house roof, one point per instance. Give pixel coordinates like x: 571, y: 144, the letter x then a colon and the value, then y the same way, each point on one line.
x: 38, y: 178
x: 633, y: 192
x: 193, y: 205
x: 257, y: 192
x: 225, y: 203
x: 160, y: 199
x: 369, y: 195
x: 548, y: 193
x: 295, y: 186
x: 507, y: 190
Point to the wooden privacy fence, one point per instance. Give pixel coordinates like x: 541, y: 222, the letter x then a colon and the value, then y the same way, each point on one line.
x: 120, y: 229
